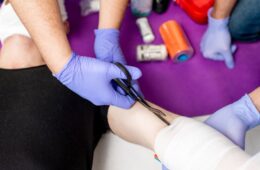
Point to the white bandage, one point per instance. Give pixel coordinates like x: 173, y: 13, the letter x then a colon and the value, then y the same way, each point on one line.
x: 190, y: 145
x: 10, y: 24
x: 252, y: 164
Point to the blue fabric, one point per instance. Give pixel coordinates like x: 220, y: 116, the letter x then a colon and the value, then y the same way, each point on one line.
x: 244, y: 22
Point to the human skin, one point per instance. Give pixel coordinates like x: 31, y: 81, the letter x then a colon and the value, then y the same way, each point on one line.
x: 25, y: 55
x: 51, y: 39
x: 255, y: 96
x: 111, y: 9
x: 140, y: 126
x: 223, y: 8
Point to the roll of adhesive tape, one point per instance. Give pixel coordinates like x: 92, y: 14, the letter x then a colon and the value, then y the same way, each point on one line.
x: 176, y: 41
x: 151, y: 53
x: 145, y: 29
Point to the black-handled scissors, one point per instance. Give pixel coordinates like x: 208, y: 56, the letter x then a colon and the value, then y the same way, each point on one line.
x: 126, y: 85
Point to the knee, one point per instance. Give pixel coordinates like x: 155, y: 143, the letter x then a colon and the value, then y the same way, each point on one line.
x: 26, y: 53
x: 22, y: 45
x: 19, y: 41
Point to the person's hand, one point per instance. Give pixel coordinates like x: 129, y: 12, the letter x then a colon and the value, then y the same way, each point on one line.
x: 216, y: 42
x: 235, y: 120
x: 91, y: 79
x: 107, y: 46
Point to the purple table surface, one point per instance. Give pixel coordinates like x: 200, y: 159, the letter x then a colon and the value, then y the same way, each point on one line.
x: 196, y: 87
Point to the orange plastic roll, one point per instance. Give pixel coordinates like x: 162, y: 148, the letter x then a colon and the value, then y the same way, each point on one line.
x: 177, y: 43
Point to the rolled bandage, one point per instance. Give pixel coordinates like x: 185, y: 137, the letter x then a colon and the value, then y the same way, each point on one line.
x: 176, y: 41
x: 145, y: 29
x: 151, y: 53
x: 191, y: 145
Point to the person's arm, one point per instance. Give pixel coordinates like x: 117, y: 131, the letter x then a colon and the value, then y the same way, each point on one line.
x: 126, y: 123
x: 222, y: 8
x: 88, y: 77
x: 185, y: 144
x: 111, y: 13
x: 43, y: 21
x: 107, y: 46
x: 255, y: 97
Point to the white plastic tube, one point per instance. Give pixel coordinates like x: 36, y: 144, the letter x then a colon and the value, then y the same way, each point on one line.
x: 145, y: 29
x: 151, y: 53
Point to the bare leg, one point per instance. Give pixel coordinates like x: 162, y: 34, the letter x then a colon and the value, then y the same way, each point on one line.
x: 25, y: 54
x: 19, y: 51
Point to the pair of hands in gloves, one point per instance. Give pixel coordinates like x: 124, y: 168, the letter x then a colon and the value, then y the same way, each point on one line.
x: 91, y: 78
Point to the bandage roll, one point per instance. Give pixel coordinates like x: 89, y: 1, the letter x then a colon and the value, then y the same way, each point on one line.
x: 176, y: 41
x: 151, y: 53
x: 145, y: 29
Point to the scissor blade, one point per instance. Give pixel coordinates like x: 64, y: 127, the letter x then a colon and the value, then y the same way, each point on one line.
x: 156, y: 112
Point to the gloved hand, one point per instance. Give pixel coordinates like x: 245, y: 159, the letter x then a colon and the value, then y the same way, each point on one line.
x: 216, y: 42
x: 107, y: 46
x: 91, y: 79
x: 235, y: 119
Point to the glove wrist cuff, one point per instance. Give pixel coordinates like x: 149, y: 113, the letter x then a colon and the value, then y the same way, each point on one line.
x: 59, y: 74
x: 217, y: 23
x: 105, y: 32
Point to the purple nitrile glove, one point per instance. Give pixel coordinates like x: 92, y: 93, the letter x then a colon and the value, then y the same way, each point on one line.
x: 164, y: 168
x: 91, y: 79
x: 235, y: 120
x: 107, y: 47
x: 216, y: 42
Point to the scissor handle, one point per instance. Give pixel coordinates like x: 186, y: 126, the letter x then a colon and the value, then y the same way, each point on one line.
x: 126, y: 72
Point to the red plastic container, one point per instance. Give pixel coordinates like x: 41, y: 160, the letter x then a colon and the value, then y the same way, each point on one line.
x: 196, y: 9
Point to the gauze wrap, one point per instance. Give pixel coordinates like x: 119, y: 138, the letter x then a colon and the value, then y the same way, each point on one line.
x: 191, y: 145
